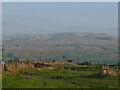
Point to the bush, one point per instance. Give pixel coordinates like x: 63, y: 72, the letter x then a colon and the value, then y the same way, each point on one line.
x: 69, y: 61
x: 53, y: 60
x: 86, y: 63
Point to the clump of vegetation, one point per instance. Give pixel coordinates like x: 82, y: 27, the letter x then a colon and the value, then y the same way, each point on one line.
x: 17, y: 45
x: 69, y: 61
x: 85, y: 63
x: 53, y: 60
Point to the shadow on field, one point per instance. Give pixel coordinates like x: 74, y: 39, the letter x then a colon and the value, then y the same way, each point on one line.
x: 96, y: 75
x: 47, y: 77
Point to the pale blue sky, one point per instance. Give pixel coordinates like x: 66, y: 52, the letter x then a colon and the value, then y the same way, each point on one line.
x: 51, y: 17
x: 0, y: 10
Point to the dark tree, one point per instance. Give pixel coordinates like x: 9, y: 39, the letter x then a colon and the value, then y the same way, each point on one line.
x: 17, y: 45
x: 53, y: 60
x: 58, y: 45
x: 69, y: 61
x: 86, y: 63
x: 64, y: 57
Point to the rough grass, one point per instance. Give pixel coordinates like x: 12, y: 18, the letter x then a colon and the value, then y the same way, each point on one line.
x: 69, y: 65
x: 71, y: 79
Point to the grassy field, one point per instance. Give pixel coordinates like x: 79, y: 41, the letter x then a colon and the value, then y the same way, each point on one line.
x: 69, y: 65
x: 0, y: 76
x: 69, y: 79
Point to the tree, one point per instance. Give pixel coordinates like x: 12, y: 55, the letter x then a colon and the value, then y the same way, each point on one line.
x: 58, y: 45
x: 86, y: 63
x: 17, y: 45
x: 53, y: 60
x: 69, y: 61
x: 64, y: 57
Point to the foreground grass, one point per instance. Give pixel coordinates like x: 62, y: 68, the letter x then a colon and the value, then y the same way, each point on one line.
x: 71, y: 79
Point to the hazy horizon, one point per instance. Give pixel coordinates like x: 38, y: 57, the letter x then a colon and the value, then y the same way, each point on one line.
x: 51, y: 17
x: 57, y: 33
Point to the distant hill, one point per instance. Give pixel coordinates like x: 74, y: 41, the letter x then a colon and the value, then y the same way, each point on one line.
x: 79, y: 47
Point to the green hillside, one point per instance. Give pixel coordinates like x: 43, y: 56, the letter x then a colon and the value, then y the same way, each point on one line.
x: 78, y: 47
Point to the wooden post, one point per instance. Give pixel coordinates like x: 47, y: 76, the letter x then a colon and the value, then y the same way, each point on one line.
x: 3, y: 56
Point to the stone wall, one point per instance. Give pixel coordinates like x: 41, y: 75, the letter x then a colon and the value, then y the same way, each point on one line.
x: 18, y: 65
x: 111, y: 70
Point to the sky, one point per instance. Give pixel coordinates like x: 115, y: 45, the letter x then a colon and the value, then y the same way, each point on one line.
x: 58, y: 17
x: 60, y: 0
x: 0, y: 18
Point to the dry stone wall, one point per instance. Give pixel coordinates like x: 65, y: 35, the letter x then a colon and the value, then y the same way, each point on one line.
x: 12, y: 66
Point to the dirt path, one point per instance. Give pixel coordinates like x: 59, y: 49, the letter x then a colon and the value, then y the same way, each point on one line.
x: 48, y: 77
